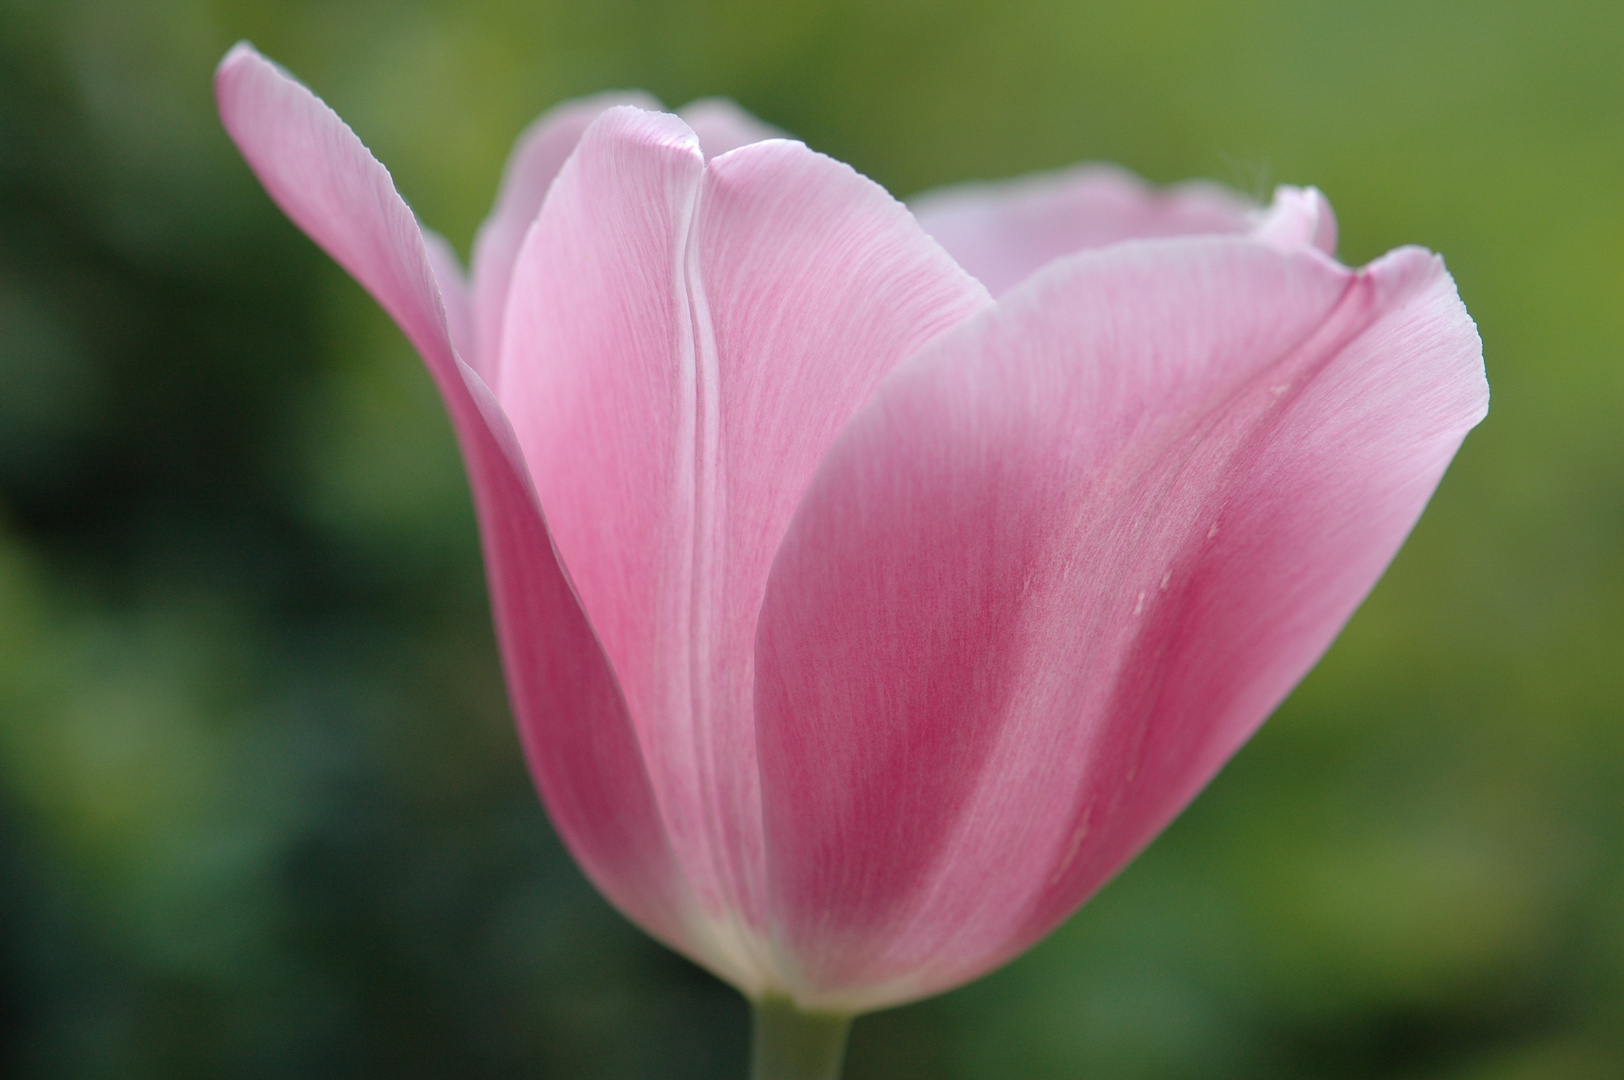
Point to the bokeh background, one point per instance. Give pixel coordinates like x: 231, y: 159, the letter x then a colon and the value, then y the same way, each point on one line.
x: 261, y: 810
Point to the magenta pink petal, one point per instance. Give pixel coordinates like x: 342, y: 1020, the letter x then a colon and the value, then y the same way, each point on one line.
x: 572, y: 719
x: 1004, y: 232
x: 1061, y: 567
x: 537, y: 156
x: 683, y: 344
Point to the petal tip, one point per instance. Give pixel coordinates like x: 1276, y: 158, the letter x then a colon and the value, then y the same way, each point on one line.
x: 230, y: 64
x: 656, y: 130
x: 1298, y: 217
x: 237, y: 53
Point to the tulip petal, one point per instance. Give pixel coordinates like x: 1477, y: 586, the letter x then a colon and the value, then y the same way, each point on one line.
x: 453, y: 286
x: 1059, y: 569
x: 538, y: 154
x: 572, y: 719
x: 722, y: 126
x: 684, y: 342
x: 1299, y: 217
x: 1004, y: 232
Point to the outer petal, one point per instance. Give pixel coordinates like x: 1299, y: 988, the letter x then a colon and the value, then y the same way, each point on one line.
x: 1004, y: 232
x: 685, y: 341
x: 453, y: 286
x: 722, y: 126
x: 1061, y: 567
x: 537, y: 156
x: 571, y: 717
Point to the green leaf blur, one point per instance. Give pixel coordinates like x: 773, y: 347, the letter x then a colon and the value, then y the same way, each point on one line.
x: 261, y: 810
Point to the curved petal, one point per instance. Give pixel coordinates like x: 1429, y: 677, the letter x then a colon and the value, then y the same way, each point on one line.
x: 1299, y: 217
x: 685, y: 340
x: 453, y: 287
x: 722, y: 126
x: 1061, y: 567
x: 1004, y: 232
x: 538, y: 154
x: 571, y: 716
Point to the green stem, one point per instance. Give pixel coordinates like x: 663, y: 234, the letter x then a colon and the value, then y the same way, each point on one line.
x: 788, y: 1044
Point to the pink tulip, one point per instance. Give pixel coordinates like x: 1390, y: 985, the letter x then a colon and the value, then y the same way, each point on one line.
x: 860, y: 625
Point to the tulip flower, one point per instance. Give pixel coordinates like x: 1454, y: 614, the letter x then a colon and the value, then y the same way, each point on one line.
x: 872, y: 585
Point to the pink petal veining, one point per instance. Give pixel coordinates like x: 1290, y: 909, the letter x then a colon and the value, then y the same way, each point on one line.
x: 537, y: 156
x: 684, y: 341
x: 1061, y: 567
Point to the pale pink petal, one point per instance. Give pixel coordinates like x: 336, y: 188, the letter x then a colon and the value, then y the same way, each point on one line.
x: 572, y: 719
x: 1061, y: 567
x: 538, y: 154
x: 722, y: 126
x: 683, y: 344
x: 1299, y: 217
x: 1004, y: 232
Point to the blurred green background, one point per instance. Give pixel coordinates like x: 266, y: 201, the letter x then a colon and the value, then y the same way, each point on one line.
x: 261, y: 810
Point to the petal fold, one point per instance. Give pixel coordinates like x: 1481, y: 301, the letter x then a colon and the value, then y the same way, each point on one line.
x: 1061, y: 567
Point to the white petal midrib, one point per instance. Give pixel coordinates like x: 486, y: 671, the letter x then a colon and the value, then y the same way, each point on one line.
x: 702, y: 488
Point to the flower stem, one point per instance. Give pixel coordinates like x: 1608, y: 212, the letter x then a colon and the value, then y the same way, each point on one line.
x: 788, y: 1044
